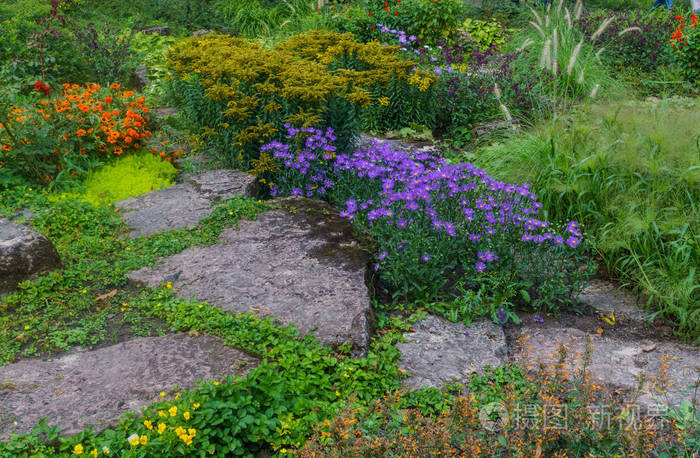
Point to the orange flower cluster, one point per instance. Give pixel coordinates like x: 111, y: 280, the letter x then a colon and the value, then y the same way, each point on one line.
x: 114, y: 128
x: 678, y: 36
x: 72, y: 131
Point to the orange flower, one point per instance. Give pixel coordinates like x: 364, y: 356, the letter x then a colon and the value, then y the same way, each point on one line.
x: 6, y: 147
x: 108, y: 99
x: 128, y: 139
x: 82, y: 107
x: 115, y: 86
x: 118, y: 151
x: 80, y: 132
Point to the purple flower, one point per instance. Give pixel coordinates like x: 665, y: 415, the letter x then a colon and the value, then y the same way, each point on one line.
x: 537, y: 319
x: 573, y: 242
x: 501, y: 315
x: 383, y: 255
x: 487, y: 256
x: 426, y: 257
x: 480, y: 267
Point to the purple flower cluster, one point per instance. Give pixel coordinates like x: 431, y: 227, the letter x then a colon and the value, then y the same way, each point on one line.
x: 305, y: 165
x: 400, y: 35
x: 418, y: 201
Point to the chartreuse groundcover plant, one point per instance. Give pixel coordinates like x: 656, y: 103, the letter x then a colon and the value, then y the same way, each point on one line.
x: 431, y: 223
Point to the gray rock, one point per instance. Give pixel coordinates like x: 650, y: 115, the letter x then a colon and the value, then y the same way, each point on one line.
x: 298, y: 264
x: 616, y: 362
x: 200, y: 33
x: 365, y: 141
x: 439, y: 351
x: 94, y: 388
x: 485, y: 128
x: 164, y: 112
x: 169, y: 208
x: 605, y: 298
x: 163, y: 30
x: 183, y: 205
x: 140, y: 78
x: 23, y: 253
x: 224, y: 184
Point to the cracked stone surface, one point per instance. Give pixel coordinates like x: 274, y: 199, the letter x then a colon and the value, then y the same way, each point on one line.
x: 183, y: 205
x: 298, y: 264
x: 94, y: 388
x: 605, y: 297
x: 618, y: 362
x: 439, y: 351
x: 23, y: 253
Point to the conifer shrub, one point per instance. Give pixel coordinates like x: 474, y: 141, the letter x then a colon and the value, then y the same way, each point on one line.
x: 241, y: 94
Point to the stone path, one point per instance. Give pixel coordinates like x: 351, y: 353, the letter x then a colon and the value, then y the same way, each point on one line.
x: 299, y: 264
x: 94, y: 388
x: 438, y: 351
x: 619, y: 362
x: 183, y: 205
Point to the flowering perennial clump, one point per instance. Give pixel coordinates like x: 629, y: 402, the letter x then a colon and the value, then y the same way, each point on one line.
x: 685, y: 42
x: 430, y: 220
x: 63, y: 136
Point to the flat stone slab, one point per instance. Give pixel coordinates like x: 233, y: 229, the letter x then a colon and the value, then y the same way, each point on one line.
x: 439, y: 351
x: 606, y: 297
x: 617, y: 363
x: 94, y: 388
x: 23, y: 253
x: 298, y: 264
x: 183, y: 205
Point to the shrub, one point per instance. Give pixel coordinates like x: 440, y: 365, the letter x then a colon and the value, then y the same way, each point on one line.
x: 107, y: 50
x: 485, y: 34
x: 242, y: 94
x: 687, y: 47
x: 634, y: 38
x: 429, y: 222
x: 429, y: 20
x: 56, y: 139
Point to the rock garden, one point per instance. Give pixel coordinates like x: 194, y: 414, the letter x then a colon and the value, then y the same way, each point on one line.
x: 391, y: 229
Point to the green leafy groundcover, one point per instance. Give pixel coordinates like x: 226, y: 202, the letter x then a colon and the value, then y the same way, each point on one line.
x: 298, y: 383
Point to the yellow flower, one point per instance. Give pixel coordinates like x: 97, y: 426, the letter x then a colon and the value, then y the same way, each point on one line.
x: 192, y: 432
x: 148, y: 424
x: 161, y: 428
x: 27, y: 327
x: 215, y: 383
x: 177, y: 396
x: 337, y: 393
x: 186, y: 415
x: 134, y: 439
x: 169, y: 285
x: 162, y: 414
x: 384, y: 101
x: 173, y: 411
x: 195, y: 406
x: 78, y: 449
x: 162, y: 394
x: 144, y: 439
x: 94, y: 452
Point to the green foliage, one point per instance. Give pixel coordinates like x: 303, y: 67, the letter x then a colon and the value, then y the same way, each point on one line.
x: 151, y: 52
x: 489, y: 386
x: 485, y: 33
x: 629, y: 174
x: 257, y: 18
x: 429, y: 20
